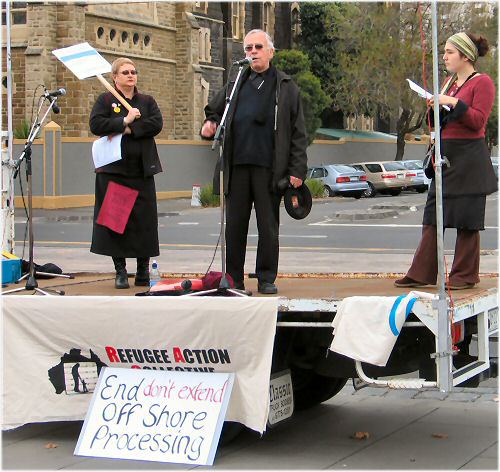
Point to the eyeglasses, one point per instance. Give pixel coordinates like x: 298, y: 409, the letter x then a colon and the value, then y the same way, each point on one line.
x: 249, y: 47
x: 127, y: 72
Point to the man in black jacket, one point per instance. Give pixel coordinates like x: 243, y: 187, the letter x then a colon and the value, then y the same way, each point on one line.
x: 265, y: 142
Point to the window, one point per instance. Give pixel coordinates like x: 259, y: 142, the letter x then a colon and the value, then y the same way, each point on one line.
x: 17, y: 13
x: 392, y: 166
x: 266, y: 20
x: 295, y: 23
x: 204, y: 45
x: 201, y: 6
x: 238, y: 19
x: 317, y: 173
x: 375, y: 168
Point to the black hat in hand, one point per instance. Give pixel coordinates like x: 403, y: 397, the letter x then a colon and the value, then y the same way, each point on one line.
x: 298, y: 201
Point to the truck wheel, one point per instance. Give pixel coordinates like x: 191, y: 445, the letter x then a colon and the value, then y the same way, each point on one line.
x: 310, y: 388
x: 230, y: 431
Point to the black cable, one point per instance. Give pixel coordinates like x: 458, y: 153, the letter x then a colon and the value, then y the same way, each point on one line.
x: 213, y: 257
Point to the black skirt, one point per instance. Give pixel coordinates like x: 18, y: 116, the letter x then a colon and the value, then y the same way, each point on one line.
x: 140, y: 238
x: 466, y: 182
x: 462, y: 212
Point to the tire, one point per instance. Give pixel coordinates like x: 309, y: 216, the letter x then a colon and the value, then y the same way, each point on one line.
x: 311, y: 389
x: 357, y: 195
x: 395, y: 192
x: 327, y: 192
x: 230, y: 431
x: 370, y: 192
x: 421, y: 189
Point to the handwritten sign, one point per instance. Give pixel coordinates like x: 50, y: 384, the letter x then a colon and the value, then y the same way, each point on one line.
x: 156, y: 416
x: 83, y: 60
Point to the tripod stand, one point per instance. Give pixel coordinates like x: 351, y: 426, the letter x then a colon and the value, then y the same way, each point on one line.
x: 31, y: 283
x: 224, y: 287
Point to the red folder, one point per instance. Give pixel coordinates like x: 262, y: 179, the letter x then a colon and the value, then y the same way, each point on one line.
x: 116, y: 207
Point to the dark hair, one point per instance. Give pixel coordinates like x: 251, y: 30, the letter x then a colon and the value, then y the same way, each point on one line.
x: 481, y: 44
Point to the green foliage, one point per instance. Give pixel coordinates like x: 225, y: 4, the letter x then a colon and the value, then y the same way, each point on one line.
x: 316, y: 187
x: 22, y: 130
x: 363, y: 52
x: 314, y: 99
x: 207, y: 196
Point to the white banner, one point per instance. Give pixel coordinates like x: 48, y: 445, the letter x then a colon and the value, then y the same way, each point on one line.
x: 55, y: 347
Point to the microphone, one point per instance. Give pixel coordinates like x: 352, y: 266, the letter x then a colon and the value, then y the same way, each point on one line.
x: 247, y: 60
x: 55, y: 108
x: 55, y: 93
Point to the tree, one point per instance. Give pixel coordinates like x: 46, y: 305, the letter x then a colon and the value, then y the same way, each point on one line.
x: 314, y: 99
x: 378, y: 48
x: 366, y: 51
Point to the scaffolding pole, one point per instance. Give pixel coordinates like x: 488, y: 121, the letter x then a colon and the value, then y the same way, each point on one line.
x: 443, y: 344
x: 7, y: 169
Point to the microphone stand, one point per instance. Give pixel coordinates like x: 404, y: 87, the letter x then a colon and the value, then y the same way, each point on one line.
x: 224, y: 287
x: 31, y: 283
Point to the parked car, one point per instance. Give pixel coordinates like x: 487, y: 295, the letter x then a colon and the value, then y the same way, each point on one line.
x: 494, y: 161
x: 419, y: 181
x: 383, y: 177
x: 340, y: 179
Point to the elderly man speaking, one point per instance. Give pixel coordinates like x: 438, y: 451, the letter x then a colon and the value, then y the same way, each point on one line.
x: 265, y: 142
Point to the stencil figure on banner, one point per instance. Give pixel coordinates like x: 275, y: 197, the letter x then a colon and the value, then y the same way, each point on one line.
x: 125, y: 212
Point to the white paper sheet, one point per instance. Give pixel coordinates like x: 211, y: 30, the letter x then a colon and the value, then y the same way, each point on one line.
x: 422, y: 92
x: 106, y: 150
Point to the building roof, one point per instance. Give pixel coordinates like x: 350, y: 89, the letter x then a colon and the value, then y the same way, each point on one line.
x: 336, y: 134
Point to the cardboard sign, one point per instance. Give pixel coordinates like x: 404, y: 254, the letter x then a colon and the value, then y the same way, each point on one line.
x: 116, y: 207
x: 83, y: 60
x: 156, y: 416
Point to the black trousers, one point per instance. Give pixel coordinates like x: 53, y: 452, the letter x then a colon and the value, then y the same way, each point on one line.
x: 251, y: 185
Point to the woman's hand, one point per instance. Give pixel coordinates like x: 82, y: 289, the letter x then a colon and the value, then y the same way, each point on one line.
x: 444, y: 100
x: 133, y: 114
x: 209, y: 128
x: 127, y: 130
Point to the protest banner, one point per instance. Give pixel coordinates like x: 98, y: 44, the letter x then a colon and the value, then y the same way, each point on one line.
x: 156, y: 416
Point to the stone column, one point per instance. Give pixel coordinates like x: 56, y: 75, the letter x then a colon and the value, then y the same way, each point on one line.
x: 189, y: 93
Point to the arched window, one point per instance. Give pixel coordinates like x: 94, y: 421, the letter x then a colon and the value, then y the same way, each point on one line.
x: 238, y: 19
x: 201, y: 45
x: 266, y: 20
x: 295, y: 22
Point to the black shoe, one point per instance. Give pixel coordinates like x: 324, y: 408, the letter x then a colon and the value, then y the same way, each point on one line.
x: 239, y: 286
x: 141, y: 278
x: 267, y: 288
x: 121, y: 280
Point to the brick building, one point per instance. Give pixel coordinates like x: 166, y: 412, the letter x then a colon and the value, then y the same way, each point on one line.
x: 183, y: 52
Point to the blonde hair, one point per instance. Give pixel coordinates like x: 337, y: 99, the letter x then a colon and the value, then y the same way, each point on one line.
x: 117, y: 63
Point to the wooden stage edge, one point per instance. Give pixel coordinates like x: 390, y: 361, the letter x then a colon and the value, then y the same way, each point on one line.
x: 291, y: 286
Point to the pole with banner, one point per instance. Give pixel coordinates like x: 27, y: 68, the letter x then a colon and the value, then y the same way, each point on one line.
x: 444, y: 350
x: 84, y: 61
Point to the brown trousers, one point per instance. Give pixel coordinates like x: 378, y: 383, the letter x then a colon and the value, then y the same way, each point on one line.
x: 465, y: 268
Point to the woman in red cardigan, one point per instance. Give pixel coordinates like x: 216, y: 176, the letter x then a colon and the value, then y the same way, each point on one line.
x: 469, y: 178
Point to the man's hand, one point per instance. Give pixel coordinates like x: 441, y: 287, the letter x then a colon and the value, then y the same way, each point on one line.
x: 208, y: 129
x: 295, y: 181
x: 133, y: 114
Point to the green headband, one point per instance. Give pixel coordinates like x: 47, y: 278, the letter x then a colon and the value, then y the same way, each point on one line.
x: 465, y: 45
